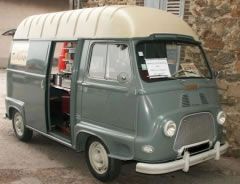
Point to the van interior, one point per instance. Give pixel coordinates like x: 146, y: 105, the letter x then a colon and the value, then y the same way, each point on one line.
x: 59, y: 92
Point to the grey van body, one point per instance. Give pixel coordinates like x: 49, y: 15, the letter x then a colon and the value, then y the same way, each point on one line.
x: 125, y: 116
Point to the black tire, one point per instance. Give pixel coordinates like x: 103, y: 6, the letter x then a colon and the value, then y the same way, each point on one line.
x: 113, y: 165
x: 22, y: 133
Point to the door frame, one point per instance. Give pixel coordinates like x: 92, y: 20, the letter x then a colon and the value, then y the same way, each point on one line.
x: 74, y: 75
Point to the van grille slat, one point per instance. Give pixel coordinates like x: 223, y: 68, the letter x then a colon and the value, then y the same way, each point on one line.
x: 195, y: 128
x: 203, y: 98
x: 185, y: 101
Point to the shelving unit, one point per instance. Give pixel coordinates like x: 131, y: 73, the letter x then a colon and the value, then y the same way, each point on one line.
x: 67, y: 57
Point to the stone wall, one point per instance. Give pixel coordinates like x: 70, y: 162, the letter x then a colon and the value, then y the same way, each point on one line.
x: 218, y: 25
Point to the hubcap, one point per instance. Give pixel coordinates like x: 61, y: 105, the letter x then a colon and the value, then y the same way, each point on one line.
x: 98, y: 157
x: 18, y: 124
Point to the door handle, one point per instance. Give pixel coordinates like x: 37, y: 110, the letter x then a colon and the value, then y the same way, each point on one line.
x: 42, y: 84
x: 84, y: 84
x: 85, y: 87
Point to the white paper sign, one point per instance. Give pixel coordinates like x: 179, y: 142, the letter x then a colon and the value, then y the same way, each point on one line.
x: 19, y: 53
x: 158, y: 67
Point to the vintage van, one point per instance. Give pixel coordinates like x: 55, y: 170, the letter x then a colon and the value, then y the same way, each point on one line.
x: 120, y: 83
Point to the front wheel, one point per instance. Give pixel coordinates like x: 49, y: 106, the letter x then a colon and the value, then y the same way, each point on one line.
x: 24, y: 134
x: 101, y: 166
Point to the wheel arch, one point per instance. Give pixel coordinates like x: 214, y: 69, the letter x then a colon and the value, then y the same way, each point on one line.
x: 11, y: 111
x: 13, y: 105
x: 120, y: 145
x: 83, y: 137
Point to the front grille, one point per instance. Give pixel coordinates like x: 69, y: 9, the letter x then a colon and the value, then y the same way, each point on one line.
x: 193, y: 129
x: 187, y: 101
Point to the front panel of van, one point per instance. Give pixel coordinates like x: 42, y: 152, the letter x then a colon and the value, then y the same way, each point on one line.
x: 185, y: 102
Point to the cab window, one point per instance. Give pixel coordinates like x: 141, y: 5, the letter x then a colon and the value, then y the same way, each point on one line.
x: 98, y: 61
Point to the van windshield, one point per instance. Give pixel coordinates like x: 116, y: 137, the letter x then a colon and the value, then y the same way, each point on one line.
x: 164, y: 60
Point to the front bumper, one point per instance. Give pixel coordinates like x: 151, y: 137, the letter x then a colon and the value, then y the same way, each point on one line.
x: 183, y: 163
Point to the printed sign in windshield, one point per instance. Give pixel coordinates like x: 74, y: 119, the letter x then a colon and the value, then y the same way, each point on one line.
x: 157, y: 67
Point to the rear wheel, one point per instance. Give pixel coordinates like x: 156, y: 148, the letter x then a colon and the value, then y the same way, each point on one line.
x: 22, y: 133
x: 101, y: 166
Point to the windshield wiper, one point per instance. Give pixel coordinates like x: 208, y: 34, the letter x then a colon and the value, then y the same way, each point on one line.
x: 163, y: 77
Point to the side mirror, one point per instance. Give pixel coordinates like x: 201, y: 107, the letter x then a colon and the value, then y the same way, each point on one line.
x: 123, y: 77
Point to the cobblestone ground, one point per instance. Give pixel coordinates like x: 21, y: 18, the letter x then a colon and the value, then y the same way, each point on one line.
x: 43, y: 161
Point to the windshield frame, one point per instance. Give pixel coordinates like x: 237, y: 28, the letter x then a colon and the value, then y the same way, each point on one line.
x: 173, y: 38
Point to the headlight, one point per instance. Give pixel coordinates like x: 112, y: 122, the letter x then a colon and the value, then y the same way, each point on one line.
x: 170, y: 128
x: 221, y: 117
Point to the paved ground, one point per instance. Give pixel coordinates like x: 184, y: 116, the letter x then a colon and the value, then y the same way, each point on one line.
x: 43, y: 161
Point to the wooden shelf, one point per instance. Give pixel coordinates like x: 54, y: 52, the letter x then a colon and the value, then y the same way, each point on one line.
x: 60, y: 87
x: 66, y: 72
x: 69, y: 60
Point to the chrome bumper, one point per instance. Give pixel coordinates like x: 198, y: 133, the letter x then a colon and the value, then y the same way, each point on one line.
x: 184, y: 163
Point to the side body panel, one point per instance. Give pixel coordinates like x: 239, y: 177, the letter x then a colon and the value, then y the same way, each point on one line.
x: 27, y: 85
x: 15, y: 89
x: 16, y: 77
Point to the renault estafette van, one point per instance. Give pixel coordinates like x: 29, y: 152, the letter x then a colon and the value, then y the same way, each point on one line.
x: 120, y: 83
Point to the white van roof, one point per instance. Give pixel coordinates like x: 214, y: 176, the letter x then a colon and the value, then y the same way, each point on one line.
x: 102, y: 22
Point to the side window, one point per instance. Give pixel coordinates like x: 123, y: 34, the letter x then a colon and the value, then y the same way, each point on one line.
x: 38, y: 57
x: 118, y: 61
x: 98, y: 61
x: 109, y: 60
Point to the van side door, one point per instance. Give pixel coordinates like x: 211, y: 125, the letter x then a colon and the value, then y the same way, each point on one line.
x: 108, y: 97
x: 35, y: 83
